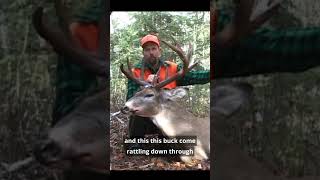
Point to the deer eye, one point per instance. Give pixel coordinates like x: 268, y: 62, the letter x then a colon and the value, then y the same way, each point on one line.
x: 148, y: 95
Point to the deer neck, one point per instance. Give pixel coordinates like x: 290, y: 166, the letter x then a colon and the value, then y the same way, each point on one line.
x: 173, y: 120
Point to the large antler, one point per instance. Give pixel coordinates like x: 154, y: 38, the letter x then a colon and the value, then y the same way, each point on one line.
x: 62, y: 44
x: 249, y: 15
x: 63, y: 17
x: 186, y: 68
x: 128, y: 73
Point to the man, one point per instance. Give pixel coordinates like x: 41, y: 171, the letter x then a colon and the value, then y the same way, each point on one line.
x: 72, y: 80
x: 153, y: 61
x: 266, y: 50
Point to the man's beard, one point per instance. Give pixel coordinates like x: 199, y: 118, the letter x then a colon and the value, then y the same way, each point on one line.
x: 153, y: 60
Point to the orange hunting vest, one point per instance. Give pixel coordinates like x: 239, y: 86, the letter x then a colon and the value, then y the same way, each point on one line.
x: 86, y: 35
x: 172, y: 69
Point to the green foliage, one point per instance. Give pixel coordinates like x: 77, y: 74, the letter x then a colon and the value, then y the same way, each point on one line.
x: 186, y: 27
x: 27, y: 92
x: 284, y: 17
x: 282, y: 130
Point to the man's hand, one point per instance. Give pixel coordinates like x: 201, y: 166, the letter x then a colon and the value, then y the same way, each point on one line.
x: 151, y: 78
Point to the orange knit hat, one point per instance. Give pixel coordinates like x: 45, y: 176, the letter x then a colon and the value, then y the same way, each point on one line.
x: 150, y: 38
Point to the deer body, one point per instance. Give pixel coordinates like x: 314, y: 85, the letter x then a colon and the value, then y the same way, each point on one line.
x: 78, y: 140
x: 172, y: 118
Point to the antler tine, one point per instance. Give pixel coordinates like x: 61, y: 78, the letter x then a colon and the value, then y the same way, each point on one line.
x: 181, y: 55
x: 176, y: 43
x: 128, y: 73
x: 174, y: 77
x: 241, y: 17
x: 155, y: 79
x: 213, y: 22
x: 63, y: 16
x: 129, y: 66
x: 142, y: 70
x: 192, y: 66
x: 103, y: 35
x: 182, y: 72
x: 61, y: 45
x: 190, y: 52
x: 247, y: 18
x: 263, y: 12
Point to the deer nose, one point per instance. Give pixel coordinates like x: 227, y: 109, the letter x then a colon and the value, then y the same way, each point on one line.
x: 125, y: 110
x: 47, y: 151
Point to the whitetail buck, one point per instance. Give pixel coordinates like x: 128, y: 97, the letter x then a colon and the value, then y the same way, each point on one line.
x: 229, y: 161
x: 79, y: 140
x: 160, y: 105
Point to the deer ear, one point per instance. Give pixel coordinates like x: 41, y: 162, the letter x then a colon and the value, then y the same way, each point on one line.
x: 227, y: 99
x: 177, y: 93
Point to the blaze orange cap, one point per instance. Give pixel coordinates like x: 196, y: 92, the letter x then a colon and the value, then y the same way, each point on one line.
x: 150, y: 38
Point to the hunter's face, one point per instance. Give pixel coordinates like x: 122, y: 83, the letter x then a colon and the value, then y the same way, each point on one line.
x: 151, y: 52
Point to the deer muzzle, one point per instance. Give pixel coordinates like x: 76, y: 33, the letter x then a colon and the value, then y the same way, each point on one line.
x: 125, y: 110
x: 51, y: 153
x: 128, y: 110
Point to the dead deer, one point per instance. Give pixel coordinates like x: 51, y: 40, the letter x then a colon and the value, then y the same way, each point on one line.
x: 229, y: 161
x: 161, y: 105
x: 79, y: 140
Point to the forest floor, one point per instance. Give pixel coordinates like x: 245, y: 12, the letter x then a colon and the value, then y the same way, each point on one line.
x: 120, y: 161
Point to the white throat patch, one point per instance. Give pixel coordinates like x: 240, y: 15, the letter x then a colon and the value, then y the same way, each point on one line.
x: 165, y: 124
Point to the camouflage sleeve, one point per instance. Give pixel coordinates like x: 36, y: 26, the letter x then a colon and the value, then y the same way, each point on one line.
x: 194, y: 77
x: 90, y: 11
x: 132, y: 88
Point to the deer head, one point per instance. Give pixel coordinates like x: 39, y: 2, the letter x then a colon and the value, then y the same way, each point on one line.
x: 151, y: 94
x: 162, y: 107
x: 79, y: 140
